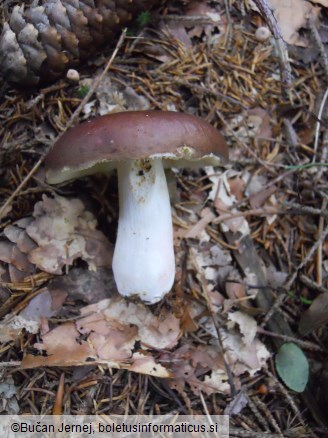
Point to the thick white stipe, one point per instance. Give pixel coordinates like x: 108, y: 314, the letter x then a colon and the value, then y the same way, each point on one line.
x: 143, y: 262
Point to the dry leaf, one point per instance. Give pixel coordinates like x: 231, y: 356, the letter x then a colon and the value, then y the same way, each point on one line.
x: 6, y: 249
x: 258, y: 120
x: 255, y: 184
x: 107, y: 333
x: 45, y: 304
x: 217, y: 381
x: 8, y: 397
x: 223, y: 202
x: 207, y: 275
x: 315, y: 316
x: 247, y: 325
x: 237, y: 186
x: 244, y: 358
x: 147, y: 365
x: 196, y: 230
x: 275, y: 278
x: 291, y: 16
x: 321, y: 2
x: 203, y: 9
x: 111, y: 98
x: 64, y: 231
x: 6, y: 211
x: 257, y: 200
x: 235, y: 291
x: 191, y: 365
x: 60, y: 231
x: 12, y: 325
x: 237, y: 404
x: 178, y: 31
x: 253, y: 123
x: 244, y: 352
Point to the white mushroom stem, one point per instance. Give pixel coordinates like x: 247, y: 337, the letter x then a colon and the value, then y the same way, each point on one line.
x: 143, y: 262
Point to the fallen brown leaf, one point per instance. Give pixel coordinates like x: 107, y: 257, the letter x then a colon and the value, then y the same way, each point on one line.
x: 107, y: 332
x: 315, y: 316
x: 291, y: 16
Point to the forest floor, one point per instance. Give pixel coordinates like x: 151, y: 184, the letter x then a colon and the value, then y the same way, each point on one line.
x: 243, y: 332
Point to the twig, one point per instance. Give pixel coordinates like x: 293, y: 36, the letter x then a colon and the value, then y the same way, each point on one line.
x: 304, y: 344
x: 186, y: 19
x: 97, y: 81
x: 19, y: 188
x: 308, y: 257
x: 319, y: 251
x: 318, y: 124
x: 228, y: 33
x: 259, y: 416
x: 265, y: 410
x: 322, y: 51
x: 323, y: 159
x: 268, y: 211
x: 11, y: 363
x: 312, y: 284
x: 284, y: 65
x: 295, y: 208
x: 275, y: 306
x: 288, y: 397
x: 202, y: 89
x: 205, y: 407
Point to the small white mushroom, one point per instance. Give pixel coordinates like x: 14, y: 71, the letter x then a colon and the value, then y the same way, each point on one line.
x: 73, y: 75
x: 262, y: 34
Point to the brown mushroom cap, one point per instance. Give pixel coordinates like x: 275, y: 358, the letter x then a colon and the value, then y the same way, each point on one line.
x: 96, y: 145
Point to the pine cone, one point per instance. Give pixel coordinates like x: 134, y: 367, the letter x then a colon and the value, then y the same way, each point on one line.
x: 40, y: 43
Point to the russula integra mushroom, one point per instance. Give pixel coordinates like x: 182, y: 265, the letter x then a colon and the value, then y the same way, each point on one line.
x: 140, y: 144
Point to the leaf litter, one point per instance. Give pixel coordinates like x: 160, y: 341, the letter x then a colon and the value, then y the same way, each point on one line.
x: 108, y: 331
x: 59, y: 232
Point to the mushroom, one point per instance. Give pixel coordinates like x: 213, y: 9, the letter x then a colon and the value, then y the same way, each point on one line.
x: 139, y: 144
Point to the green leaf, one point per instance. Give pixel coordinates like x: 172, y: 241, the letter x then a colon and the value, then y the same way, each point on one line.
x: 303, y: 300
x: 292, y: 367
x: 143, y: 19
x: 82, y: 91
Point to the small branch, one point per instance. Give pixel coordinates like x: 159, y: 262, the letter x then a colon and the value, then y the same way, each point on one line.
x: 284, y: 65
x: 303, y: 344
x: 322, y: 51
x: 9, y: 364
x: 312, y: 284
x: 274, y: 307
x: 268, y: 211
x: 96, y: 82
x: 19, y: 188
x: 318, y: 124
x: 292, y: 404
x: 308, y: 257
x: 186, y: 19
x: 319, y: 251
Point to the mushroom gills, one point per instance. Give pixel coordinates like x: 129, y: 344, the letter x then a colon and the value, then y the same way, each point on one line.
x: 143, y: 262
